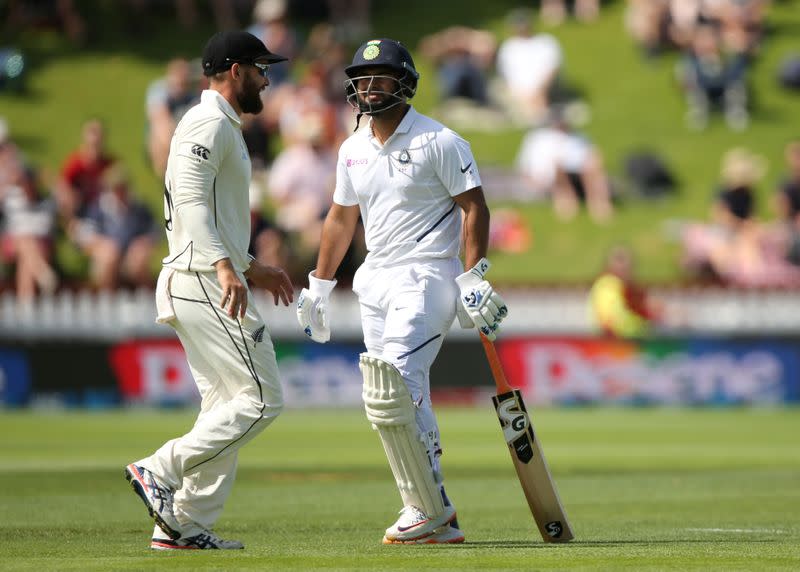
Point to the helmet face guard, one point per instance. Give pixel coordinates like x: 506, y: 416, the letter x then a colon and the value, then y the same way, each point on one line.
x: 405, y: 88
x: 390, y: 59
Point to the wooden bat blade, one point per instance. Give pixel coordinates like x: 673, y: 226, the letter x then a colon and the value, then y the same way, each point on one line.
x: 531, y: 466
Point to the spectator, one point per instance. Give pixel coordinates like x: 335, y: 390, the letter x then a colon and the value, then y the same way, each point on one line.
x: 684, y: 17
x: 730, y: 247
x: 11, y: 161
x: 556, y: 160
x: 268, y: 244
x: 328, y: 56
x: 301, y: 182
x: 59, y: 14
x: 647, y: 21
x: 740, y: 22
x: 785, y: 234
x: 618, y: 305
x: 712, y: 79
x: 271, y: 26
x: 350, y: 18
x: 167, y: 99
x: 554, y: 12
x: 81, y: 173
x: 462, y: 56
x: 118, y: 234
x: 27, y: 234
x: 528, y: 65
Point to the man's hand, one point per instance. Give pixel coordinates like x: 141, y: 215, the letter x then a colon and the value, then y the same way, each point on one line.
x: 234, y: 292
x: 273, y: 279
x: 479, y: 305
x: 312, y: 308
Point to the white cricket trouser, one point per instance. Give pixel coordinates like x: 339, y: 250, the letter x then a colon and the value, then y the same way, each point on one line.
x: 406, y: 310
x: 233, y: 363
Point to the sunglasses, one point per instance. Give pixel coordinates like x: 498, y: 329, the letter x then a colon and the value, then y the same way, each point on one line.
x: 263, y: 69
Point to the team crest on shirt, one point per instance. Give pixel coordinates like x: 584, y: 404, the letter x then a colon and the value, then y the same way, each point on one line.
x: 403, y: 160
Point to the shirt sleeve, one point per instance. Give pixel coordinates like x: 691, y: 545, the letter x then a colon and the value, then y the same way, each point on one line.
x: 454, y: 163
x: 198, y: 155
x: 344, y: 194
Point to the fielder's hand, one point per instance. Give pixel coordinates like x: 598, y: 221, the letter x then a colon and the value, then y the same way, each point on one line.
x: 312, y: 308
x: 234, y: 292
x: 273, y: 279
x: 479, y: 305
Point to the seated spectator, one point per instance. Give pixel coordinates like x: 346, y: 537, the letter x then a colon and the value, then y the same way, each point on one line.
x: 784, y: 233
x: 554, y: 12
x: 301, y: 182
x: 462, y: 56
x: 27, y: 234
x: 647, y: 21
x: 712, y: 79
x: 268, y: 244
x: 11, y: 161
x: 167, y: 99
x: 119, y: 235
x: 740, y: 22
x: 555, y: 160
x: 528, y: 65
x: 683, y: 18
x: 79, y: 186
x: 729, y: 247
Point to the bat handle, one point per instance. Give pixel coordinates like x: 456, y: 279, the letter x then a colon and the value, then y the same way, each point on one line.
x: 494, y: 364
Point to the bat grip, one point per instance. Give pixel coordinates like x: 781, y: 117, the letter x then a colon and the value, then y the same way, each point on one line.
x: 494, y: 364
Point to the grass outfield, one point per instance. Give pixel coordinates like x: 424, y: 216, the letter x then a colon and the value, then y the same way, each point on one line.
x: 645, y: 489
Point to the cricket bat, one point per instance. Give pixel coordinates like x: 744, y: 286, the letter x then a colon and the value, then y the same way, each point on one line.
x: 527, y: 455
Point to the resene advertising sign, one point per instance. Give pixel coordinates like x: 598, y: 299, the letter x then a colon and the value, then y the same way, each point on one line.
x: 548, y: 370
x: 554, y: 371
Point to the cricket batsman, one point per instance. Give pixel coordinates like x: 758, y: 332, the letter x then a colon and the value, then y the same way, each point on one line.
x: 411, y: 180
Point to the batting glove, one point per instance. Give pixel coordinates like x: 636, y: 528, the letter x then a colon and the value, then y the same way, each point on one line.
x: 312, y: 306
x: 479, y: 305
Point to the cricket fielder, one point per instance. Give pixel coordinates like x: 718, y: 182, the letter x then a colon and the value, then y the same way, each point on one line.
x: 405, y: 175
x: 202, y: 293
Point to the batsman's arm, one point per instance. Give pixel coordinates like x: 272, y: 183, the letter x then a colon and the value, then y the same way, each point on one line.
x: 337, y: 233
x: 476, y: 225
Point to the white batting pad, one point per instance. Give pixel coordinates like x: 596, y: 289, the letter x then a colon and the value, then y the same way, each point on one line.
x: 389, y: 408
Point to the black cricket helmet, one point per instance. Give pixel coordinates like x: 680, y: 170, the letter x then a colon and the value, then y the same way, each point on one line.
x: 381, y: 53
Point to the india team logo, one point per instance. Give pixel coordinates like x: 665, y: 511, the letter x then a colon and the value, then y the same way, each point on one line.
x: 372, y: 50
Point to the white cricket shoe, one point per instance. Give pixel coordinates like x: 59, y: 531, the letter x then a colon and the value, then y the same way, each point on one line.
x: 157, y: 497
x: 205, y: 540
x: 414, y: 524
x: 447, y: 534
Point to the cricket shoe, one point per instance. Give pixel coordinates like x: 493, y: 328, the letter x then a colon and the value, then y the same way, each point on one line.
x: 447, y: 534
x: 157, y: 497
x: 414, y: 524
x: 206, y: 540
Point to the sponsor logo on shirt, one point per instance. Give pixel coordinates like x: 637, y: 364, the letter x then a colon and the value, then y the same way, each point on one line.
x: 200, y: 151
x: 356, y: 162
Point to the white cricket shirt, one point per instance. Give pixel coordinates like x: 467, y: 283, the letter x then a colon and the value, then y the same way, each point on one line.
x: 206, y: 200
x: 405, y: 188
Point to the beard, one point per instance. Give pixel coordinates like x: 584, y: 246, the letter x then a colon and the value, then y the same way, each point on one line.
x: 249, y: 98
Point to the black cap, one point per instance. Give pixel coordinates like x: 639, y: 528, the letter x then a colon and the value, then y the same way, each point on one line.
x: 226, y: 48
x: 382, y: 52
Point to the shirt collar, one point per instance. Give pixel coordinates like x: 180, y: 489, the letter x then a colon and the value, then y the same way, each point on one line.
x: 403, y: 127
x: 408, y: 120
x: 213, y: 97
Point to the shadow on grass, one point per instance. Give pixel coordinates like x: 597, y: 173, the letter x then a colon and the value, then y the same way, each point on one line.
x: 579, y: 544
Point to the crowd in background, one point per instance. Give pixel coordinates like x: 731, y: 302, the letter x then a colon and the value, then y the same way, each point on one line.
x: 485, y: 80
